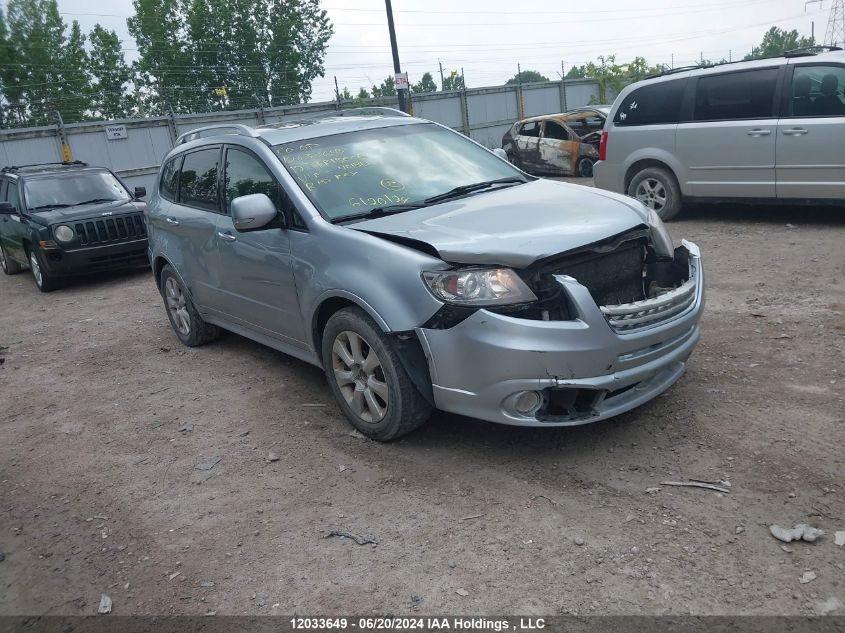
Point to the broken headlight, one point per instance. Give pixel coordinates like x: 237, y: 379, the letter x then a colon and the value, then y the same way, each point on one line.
x: 660, y: 237
x: 478, y: 286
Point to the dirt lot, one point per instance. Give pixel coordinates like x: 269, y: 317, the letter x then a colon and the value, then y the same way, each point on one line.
x: 104, y: 417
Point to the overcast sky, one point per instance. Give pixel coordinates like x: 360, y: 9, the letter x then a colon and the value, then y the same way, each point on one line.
x: 489, y: 37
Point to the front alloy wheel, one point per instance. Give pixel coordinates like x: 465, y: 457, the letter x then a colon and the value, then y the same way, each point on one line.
x: 43, y: 280
x: 360, y: 377
x: 368, y: 379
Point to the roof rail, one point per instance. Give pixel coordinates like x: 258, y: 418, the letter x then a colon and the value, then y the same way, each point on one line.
x: 810, y: 50
x: 66, y: 163
x: 236, y: 128
x: 365, y: 109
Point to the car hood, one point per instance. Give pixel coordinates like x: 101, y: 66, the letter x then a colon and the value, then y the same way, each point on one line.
x: 95, y: 211
x: 515, y: 226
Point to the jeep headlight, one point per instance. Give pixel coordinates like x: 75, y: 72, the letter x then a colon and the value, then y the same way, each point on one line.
x: 659, y: 235
x: 64, y: 233
x: 478, y: 286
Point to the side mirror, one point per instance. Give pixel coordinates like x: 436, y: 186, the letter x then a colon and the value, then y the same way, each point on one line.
x: 254, y: 211
x: 500, y: 153
x: 6, y: 208
x: 140, y: 192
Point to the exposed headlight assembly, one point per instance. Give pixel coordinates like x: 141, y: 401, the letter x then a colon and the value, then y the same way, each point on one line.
x: 478, y: 286
x: 64, y: 233
x: 659, y: 235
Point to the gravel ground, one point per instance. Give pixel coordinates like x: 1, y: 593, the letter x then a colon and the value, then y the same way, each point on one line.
x: 104, y: 417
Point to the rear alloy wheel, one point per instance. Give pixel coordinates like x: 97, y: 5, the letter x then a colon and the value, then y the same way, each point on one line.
x: 42, y: 278
x: 368, y: 379
x: 657, y: 189
x: 188, y: 325
x: 585, y: 167
x: 9, y: 266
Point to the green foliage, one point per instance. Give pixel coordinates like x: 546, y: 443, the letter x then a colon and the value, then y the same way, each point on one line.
x: 425, y: 84
x: 453, y: 81
x: 215, y: 54
x: 345, y: 95
x: 577, y: 72
x: 612, y: 77
x: 525, y: 77
x: 776, y: 41
x: 110, y: 75
x: 386, y: 89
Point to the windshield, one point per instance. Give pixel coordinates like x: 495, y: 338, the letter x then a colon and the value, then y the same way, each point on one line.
x: 70, y: 190
x: 352, y: 173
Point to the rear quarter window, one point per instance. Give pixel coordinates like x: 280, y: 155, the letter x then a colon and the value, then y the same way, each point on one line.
x: 652, y: 104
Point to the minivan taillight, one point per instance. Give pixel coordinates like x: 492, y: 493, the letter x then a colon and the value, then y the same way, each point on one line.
x: 603, y: 146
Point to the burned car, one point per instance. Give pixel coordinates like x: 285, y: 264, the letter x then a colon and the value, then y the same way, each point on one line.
x: 565, y: 144
x: 420, y: 270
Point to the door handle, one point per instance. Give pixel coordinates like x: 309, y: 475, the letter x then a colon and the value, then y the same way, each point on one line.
x: 172, y: 221
x: 228, y: 237
x: 759, y: 132
x: 796, y: 131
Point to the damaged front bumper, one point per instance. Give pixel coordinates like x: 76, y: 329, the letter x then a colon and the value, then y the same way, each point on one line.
x: 605, y: 361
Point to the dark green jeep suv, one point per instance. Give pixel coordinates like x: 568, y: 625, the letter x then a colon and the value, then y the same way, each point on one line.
x: 67, y: 219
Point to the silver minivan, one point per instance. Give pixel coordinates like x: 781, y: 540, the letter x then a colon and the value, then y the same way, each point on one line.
x: 421, y: 270
x: 764, y: 130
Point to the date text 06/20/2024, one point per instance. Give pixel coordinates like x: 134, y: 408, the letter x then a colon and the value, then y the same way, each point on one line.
x: 415, y: 623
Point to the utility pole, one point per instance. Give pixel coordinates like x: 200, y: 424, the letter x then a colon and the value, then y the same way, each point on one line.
x: 337, y: 93
x: 396, y: 67
x: 441, y: 74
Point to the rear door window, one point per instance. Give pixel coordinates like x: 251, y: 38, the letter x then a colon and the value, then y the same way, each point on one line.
x: 555, y: 131
x: 530, y: 129
x: 736, y: 96
x: 652, y: 104
x: 198, y: 180
x: 12, y: 194
x: 817, y: 91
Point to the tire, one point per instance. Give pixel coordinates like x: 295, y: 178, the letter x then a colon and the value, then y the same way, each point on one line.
x: 377, y: 397
x: 657, y: 189
x: 9, y: 266
x: 188, y: 325
x: 43, y: 280
x: 584, y: 168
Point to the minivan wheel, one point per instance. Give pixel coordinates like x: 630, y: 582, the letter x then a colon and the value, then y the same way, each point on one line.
x: 188, y: 325
x: 367, y: 378
x: 585, y: 167
x: 42, y: 278
x: 9, y: 266
x: 657, y: 188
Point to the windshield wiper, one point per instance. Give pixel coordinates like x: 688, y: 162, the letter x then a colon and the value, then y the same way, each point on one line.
x: 476, y: 186
x: 44, y: 207
x: 79, y: 204
x: 380, y: 212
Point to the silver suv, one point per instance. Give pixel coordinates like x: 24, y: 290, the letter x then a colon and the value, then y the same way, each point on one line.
x: 421, y: 270
x: 770, y: 129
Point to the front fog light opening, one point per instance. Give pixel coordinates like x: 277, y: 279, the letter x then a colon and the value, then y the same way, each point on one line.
x: 527, y: 403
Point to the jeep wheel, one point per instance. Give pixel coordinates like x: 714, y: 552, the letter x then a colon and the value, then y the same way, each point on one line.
x: 43, y: 280
x: 9, y: 266
x: 368, y: 380
x: 657, y: 188
x: 188, y: 325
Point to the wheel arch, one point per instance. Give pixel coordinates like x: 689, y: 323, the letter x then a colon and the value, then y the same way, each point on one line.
x: 331, y: 303
x: 645, y: 163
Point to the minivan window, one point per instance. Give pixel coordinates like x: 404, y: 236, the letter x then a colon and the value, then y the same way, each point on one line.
x: 739, y: 95
x: 198, y: 181
x: 652, y: 104
x: 169, y: 185
x: 818, y: 91
x: 246, y: 175
x: 352, y: 173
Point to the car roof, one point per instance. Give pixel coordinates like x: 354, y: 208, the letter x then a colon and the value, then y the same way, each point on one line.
x: 325, y: 124
x: 569, y: 115
x: 49, y: 169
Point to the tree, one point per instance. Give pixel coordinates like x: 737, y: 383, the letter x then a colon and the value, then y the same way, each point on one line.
x: 345, y: 95
x: 363, y: 94
x: 453, y: 81
x: 577, y: 72
x: 776, y: 41
x: 73, y: 62
x: 216, y: 54
x: 425, y: 84
x: 110, y: 73
x: 386, y: 89
x: 526, y: 77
